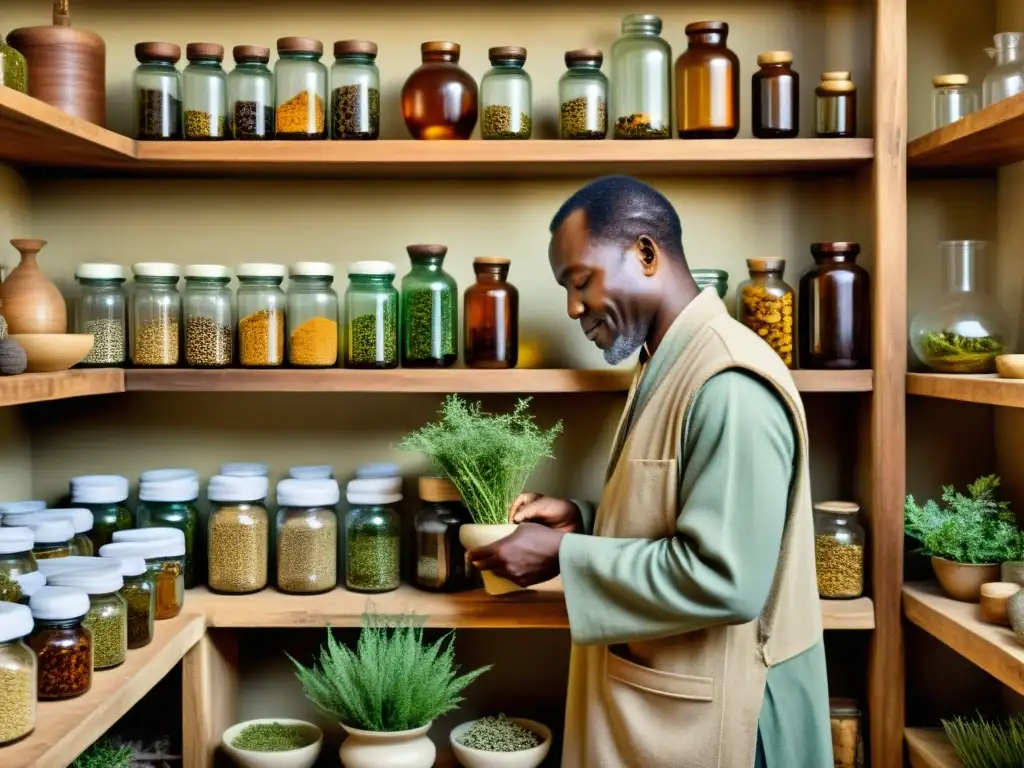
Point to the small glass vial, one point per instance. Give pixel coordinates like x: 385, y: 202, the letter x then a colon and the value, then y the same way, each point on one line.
x: 239, y: 534
x: 441, y: 564
x: 107, y: 618
x: 708, y: 84
x: 430, y: 310
x: 62, y: 645
x: 205, y: 88
x: 13, y: 68
x: 307, y: 536
x: 355, y: 91
x: 371, y: 316
x: 835, y: 310
x: 18, y: 667
x: 641, y: 77
x: 209, y: 326
x: 16, y: 561
x: 300, y: 84
x: 171, y: 503
x: 838, y: 549
x: 491, y: 316
x: 775, y: 96
x: 261, y: 315
x: 155, y: 314
x: 953, y: 100
x: 506, y: 95
x: 157, y: 86
x: 312, y: 315
x: 835, y: 115
x: 847, y: 739
x: 439, y: 99
x: 251, y: 94
x: 712, y: 278
x: 52, y: 539
x: 101, y: 310
x: 372, y: 533
x: 105, y: 497
x: 139, y: 594
x: 583, y: 96
x: 165, y: 565
x: 765, y: 304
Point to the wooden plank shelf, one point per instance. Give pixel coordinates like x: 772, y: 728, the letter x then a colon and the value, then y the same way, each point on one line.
x: 987, y: 139
x: 987, y: 389
x: 929, y: 748
x: 36, y: 387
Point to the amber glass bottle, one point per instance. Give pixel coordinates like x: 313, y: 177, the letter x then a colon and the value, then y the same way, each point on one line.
x: 708, y: 84
x: 491, y: 311
x: 775, y: 97
x: 439, y: 100
x: 835, y: 310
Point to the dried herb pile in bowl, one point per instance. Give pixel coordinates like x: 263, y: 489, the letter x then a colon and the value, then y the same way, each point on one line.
x: 499, y: 734
x: 952, y: 353
x: 273, y: 737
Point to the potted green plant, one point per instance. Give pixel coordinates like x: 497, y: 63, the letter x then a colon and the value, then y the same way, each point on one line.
x: 980, y: 743
x: 488, y: 459
x: 387, y: 692
x: 967, y: 536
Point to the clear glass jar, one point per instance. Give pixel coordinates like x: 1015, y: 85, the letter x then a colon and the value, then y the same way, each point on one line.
x: 835, y: 310
x: 239, y: 534
x: 708, y: 84
x: 209, y: 326
x: 53, y: 539
x: 441, y: 564
x: 165, y: 566
x: 430, y: 310
x: 1006, y: 78
x: 847, y: 738
x: 16, y: 560
x: 355, y: 91
x: 108, y: 621
x: 506, y: 95
x: 101, y: 310
x: 371, y: 316
x: 300, y: 84
x: 712, y: 278
x: 641, y: 77
x: 172, y: 504
x: 307, y: 536
x: 18, y: 670
x: 312, y: 316
x: 139, y: 594
x: 13, y: 68
x: 439, y: 99
x: 583, y: 96
x: 953, y: 100
x: 372, y: 534
x: 104, y: 496
x: 157, y: 87
x: 155, y: 314
x: 775, y: 97
x: 491, y: 315
x: 965, y: 330
x: 251, y: 94
x: 838, y: 549
x: 62, y: 645
x: 261, y: 315
x: 835, y: 107
x: 205, y: 88
x: 765, y: 304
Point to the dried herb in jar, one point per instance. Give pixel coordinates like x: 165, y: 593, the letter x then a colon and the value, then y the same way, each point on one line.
x: 239, y: 536
x: 314, y: 343
x: 307, y: 552
x: 141, y: 602
x: 840, y: 567
x: 10, y: 592
x: 170, y: 589
x: 261, y: 338
x: 363, y: 334
x: 952, y: 353
x: 64, y: 661
x: 429, y: 320
x: 17, y: 703
x: 371, y: 562
x: 109, y: 626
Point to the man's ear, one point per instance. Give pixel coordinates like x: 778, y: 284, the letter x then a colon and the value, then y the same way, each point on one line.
x: 649, y: 255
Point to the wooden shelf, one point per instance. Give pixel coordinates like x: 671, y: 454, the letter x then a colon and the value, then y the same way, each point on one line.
x: 958, y: 625
x: 929, y: 748
x: 986, y: 389
x: 35, y: 387
x: 65, y: 728
x: 990, y: 138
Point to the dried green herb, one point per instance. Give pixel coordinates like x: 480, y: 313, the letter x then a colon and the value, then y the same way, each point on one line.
x: 272, y: 737
x: 10, y: 589
x: 105, y: 754
x: 373, y: 344
x: 430, y: 332
x: 499, y: 734
x: 983, y: 744
x: 952, y: 353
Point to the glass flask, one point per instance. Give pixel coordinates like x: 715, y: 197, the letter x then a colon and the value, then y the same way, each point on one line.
x: 205, y: 89
x: 835, y: 310
x: 1006, y: 78
x: 104, y: 496
x: 261, y: 315
x: 355, y: 91
x: 251, y: 94
x: 439, y: 99
x: 838, y: 550
x: 953, y: 100
x: 641, y: 64
x: 835, y: 107
x: 155, y: 314
x: 491, y: 315
x: 430, y: 310
x: 371, y: 316
x: 62, y: 645
x: 965, y: 329
x: 441, y: 564
x: 775, y: 97
x: 13, y: 68
x: 765, y: 304
x: 583, y: 96
x: 157, y: 88
x: 18, y: 671
x: 107, y: 618
x: 372, y: 533
x: 209, y: 327
x: 312, y: 315
x: 707, y: 84
x: 712, y: 278
x: 101, y: 310
x: 172, y: 504
x: 307, y: 536
x: 506, y: 95
x: 239, y: 534
x: 300, y: 85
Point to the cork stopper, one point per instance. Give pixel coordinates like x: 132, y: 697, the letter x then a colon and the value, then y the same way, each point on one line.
x: 168, y: 52
x: 213, y: 51
x: 940, y: 81
x: 506, y: 53
x: 775, y: 57
x: 584, y: 56
x: 495, y: 261
x: 300, y: 45
x: 251, y: 53
x: 355, y: 48
x: 438, y: 489
x: 837, y: 507
x: 441, y: 49
x: 766, y: 265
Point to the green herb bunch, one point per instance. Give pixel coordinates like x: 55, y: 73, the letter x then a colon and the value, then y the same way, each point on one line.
x: 105, y: 754
x: 981, y: 744
x: 487, y: 457
x: 393, y: 681
x: 954, y: 353
x: 974, y: 529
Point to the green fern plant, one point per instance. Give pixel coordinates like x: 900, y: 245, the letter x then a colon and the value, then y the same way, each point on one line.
x: 105, y: 754
x: 393, y: 681
x: 983, y: 744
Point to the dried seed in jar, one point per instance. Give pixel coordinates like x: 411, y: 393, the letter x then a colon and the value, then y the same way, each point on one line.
x: 159, y: 115
x: 107, y: 342
x: 363, y: 335
x: 771, y: 317
x: 109, y: 627
x: 238, y: 549
x: 639, y: 126
x: 297, y: 120
x: 64, y: 661
x: 207, y: 342
x: 203, y: 125
x: 497, y: 123
x: 17, y: 702
x: 156, y: 343
x: 261, y: 338
x: 583, y: 118
x: 253, y: 121
x: 307, y: 552
x: 371, y: 562
x: 840, y: 567
x: 355, y: 112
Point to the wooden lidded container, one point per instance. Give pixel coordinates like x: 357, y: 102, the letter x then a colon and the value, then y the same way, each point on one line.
x: 67, y: 67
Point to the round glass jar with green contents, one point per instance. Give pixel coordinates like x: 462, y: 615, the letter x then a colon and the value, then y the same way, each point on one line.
x: 16, y: 560
x: 165, y: 563
x: 205, y: 90
x: 101, y: 310
x: 107, y: 618
x: 171, y: 503
x: 17, y: 672
x: 712, y: 278
x: 355, y: 91
x: 105, y: 497
x: 251, y: 94
x: 61, y: 642
x: 371, y: 316
x: 239, y: 534
x: 583, y: 96
x: 307, y: 536
x: 261, y: 313
x: 209, y: 325
x: 155, y: 314
x: 372, y: 532
x: 506, y: 95
x: 157, y: 86
x: 312, y: 315
x: 300, y: 88
x: 53, y: 539
x: 430, y: 310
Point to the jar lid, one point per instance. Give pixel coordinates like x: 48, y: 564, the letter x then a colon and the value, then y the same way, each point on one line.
x: 154, y: 549
x: 775, y: 57
x: 100, y: 579
x: 81, y: 519
x: 312, y: 472
x: 52, y: 531
x: 15, y: 621
x: 942, y: 80
x: 99, y: 489
x: 14, y: 540
x: 244, y: 469
x: 168, y: 52
x: 355, y: 48
x: 92, y: 271
x: 372, y: 499
x: 375, y: 486
x: 132, y: 565
x: 137, y: 535
x: 438, y: 489
x: 491, y: 262
x: 426, y: 249
x: 699, y: 27
x: 709, y: 274
x: 16, y: 507
x: 377, y: 470
x: 839, y: 247
x: 156, y: 269
x: 237, y: 488
x: 766, y: 265
x: 160, y: 475
x: 506, y: 53
x: 645, y: 21
x: 207, y: 271
x: 837, y: 86
x: 441, y: 46
x: 59, y: 603
x: 307, y: 493
x: 300, y: 45
x: 584, y: 56
x: 372, y: 268
x: 837, y: 507
x: 48, y: 567
x: 251, y: 53
x: 838, y: 707
x: 179, y: 489
x: 835, y: 76
x: 261, y: 270
x: 213, y: 51
x: 30, y: 582
x: 312, y: 269
x: 1000, y: 590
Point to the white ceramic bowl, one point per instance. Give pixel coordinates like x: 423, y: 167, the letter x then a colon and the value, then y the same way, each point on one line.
x: 296, y: 758
x: 528, y: 758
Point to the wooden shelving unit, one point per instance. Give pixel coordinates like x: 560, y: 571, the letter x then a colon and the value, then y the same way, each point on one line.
x: 990, y: 138
x: 929, y: 748
x: 36, y: 387
x: 986, y: 389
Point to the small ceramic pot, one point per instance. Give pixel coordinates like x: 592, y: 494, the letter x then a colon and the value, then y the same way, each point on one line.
x: 994, y: 597
x: 388, y: 749
x: 472, y: 535
x: 963, y: 581
x: 1012, y: 571
x: 478, y: 758
x: 303, y: 757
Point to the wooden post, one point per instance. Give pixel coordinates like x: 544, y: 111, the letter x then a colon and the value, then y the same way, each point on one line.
x: 209, y: 682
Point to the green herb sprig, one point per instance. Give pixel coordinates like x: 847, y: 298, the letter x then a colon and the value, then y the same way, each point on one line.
x: 983, y: 744
x: 961, y: 354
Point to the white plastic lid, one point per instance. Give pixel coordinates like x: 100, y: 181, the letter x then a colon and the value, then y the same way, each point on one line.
x: 16, y: 540
x: 31, y: 582
x: 132, y: 565
x: 261, y: 270
x: 99, y: 489
x: 227, y: 488
x: 15, y: 621
x: 155, y: 549
x: 209, y: 271
x: 59, y: 603
x: 372, y: 499
x: 81, y: 519
x: 100, y: 579
x: 135, y: 535
x: 52, y: 531
x: 14, y: 507
x: 375, y: 485
x: 312, y: 269
x: 307, y: 493
x: 100, y: 272
x: 377, y: 470
x: 372, y: 268
x: 160, y: 475
x: 244, y: 469
x: 178, y: 489
x: 156, y: 269
x: 60, y: 564
x: 312, y: 472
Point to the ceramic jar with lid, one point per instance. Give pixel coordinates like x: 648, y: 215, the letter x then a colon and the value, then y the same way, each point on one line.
x: 355, y: 91
x: 239, y: 534
x: 251, y: 94
x: 261, y: 315
x: 583, y: 96
x: 506, y: 95
x: 30, y: 301
x: 171, y: 503
x: 155, y: 314
x: 640, y: 80
x: 105, y: 497
x: 312, y: 315
x: 18, y: 669
x: 708, y: 84
x: 102, y: 311
x: 775, y: 96
x: 439, y: 99
x: 372, y: 533
x: 61, y: 642
x: 164, y: 554
x: 209, y: 323
x: 838, y: 549
x: 107, y: 618
x: 157, y: 89
x: 765, y: 303
x: 835, y: 310
x: 205, y: 93
x: 300, y: 87
x: 952, y: 100
x: 835, y: 112
x: 307, y: 536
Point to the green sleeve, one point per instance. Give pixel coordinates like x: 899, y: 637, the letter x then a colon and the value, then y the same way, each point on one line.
x: 587, y: 510
x: 737, y: 464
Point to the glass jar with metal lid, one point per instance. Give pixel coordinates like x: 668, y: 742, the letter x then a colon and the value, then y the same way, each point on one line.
x: 52, y: 539
x: 205, y: 89
x: 209, y: 326
x: 107, y: 618
x: 355, y: 91
x: 18, y: 670
x: 62, y: 645
x: 261, y: 315
x: 712, y: 278
x: 765, y: 303
x: 105, y: 497
x: 838, y: 549
x: 441, y: 564
x: 251, y: 94
x: 641, y: 77
x: 506, y: 95
x: 81, y: 521
x: 439, y: 99
x: 312, y: 315
x: 775, y: 96
x: 101, y: 310
x: 952, y: 100
x: 372, y: 533
x: 430, y: 310
x: 13, y: 68
x: 371, y: 316
x: 300, y: 87
x: 157, y: 87
x: 491, y: 316
x: 155, y: 314
x: 164, y: 554
x: 171, y: 504
x: 583, y: 96
x: 239, y: 534
x: 16, y: 560
x: 307, y: 536
x: 708, y: 84
x: 835, y: 115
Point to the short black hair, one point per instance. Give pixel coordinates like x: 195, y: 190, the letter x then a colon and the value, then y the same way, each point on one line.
x: 621, y: 209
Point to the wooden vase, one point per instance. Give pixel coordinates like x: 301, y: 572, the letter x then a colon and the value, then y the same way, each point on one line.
x: 32, y: 304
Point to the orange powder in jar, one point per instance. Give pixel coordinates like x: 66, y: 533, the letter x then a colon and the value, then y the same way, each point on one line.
x: 314, y: 344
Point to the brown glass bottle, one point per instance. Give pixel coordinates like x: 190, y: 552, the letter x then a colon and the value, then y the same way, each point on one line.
x: 775, y: 97
x: 491, y: 314
x: 439, y: 100
x: 835, y: 310
x: 708, y: 84
x: 835, y: 108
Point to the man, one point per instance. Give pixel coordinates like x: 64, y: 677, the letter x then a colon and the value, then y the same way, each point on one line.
x: 691, y: 591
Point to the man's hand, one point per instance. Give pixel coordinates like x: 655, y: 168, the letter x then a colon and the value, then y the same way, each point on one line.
x: 526, y: 557
x: 558, y: 514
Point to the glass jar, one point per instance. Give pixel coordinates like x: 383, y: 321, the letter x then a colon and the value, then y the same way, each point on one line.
x: 712, y: 278
x: 251, y: 94
x: 104, y: 496
x: 62, y: 645
x: 583, y: 96
x: 835, y: 310
x: 835, y: 107
x: 312, y: 316
x: 155, y: 314
x: 838, y: 549
x: 139, y: 594
x: 439, y: 99
x: 52, y: 539
x: 764, y: 304
x: 157, y: 87
x: 18, y: 670
x: 506, y: 95
x: 371, y: 316
x: 101, y: 310
x: 708, y: 84
x: 16, y: 560
x: 171, y: 504
x: 641, y: 64
x: 775, y: 92
x: 953, y: 100
x: 261, y: 314
x: 491, y: 315
x: 13, y: 68
x: 107, y: 618
x: 965, y: 330
x: 300, y: 82
x: 205, y: 88
x: 307, y: 536
x: 847, y: 739
x: 239, y: 534
x: 80, y: 520
x: 165, y: 565
x: 372, y: 532
x: 441, y: 564
x: 209, y: 326
x: 355, y: 91
x: 430, y: 310
x: 1006, y: 78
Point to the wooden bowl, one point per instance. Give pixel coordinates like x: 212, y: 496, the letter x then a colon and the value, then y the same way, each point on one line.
x: 49, y: 352
x: 1010, y: 366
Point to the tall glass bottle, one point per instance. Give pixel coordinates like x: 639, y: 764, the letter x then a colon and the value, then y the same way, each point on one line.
x: 583, y: 96
x: 835, y: 310
x: 641, y: 64
x: 491, y: 316
x: 205, y: 92
x: 251, y: 94
x: 157, y: 87
x: 1006, y: 78
x: 300, y: 88
x: 506, y: 95
x: 439, y: 100
x: 430, y: 313
x: 707, y: 84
